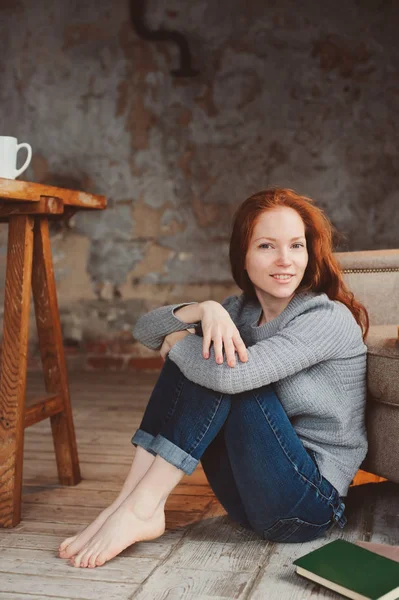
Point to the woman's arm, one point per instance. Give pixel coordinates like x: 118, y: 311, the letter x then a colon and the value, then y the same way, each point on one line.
x: 151, y: 328
x: 190, y: 313
x: 320, y: 334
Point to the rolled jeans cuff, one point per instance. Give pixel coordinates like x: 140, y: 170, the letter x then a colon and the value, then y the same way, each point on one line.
x: 143, y: 439
x: 167, y: 450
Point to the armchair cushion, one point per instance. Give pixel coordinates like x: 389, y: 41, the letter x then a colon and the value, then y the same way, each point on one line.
x: 383, y: 364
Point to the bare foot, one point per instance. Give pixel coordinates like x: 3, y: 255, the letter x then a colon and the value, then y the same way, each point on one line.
x: 72, y: 545
x: 141, y: 463
x: 120, y: 530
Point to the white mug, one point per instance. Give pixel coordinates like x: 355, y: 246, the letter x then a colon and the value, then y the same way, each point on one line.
x: 8, y: 157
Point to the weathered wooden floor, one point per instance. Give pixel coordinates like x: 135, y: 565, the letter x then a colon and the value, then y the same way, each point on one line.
x: 201, y: 555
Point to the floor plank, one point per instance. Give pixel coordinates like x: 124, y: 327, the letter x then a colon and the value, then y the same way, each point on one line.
x: 47, y: 585
x: 213, y: 544
x: 34, y: 562
x: 176, y: 583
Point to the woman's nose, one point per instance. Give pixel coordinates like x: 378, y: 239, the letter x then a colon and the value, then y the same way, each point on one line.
x: 283, y: 258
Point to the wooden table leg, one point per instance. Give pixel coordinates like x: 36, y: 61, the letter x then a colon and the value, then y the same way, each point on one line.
x: 13, y: 366
x: 52, y: 353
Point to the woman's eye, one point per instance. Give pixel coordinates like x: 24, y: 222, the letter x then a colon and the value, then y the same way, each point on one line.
x: 297, y: 244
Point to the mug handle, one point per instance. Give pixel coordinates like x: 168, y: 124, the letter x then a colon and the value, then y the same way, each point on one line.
x: 26, y: 164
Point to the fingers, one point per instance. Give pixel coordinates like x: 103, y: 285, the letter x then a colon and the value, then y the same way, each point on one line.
x: 230, y: 344
x: 218, y: 348
x: 241, y: 348
x: 230, y: 347
x: 205, y: 344
x: 230, y: 352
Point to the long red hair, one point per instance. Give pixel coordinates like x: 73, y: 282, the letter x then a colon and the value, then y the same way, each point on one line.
x: 322, y: 274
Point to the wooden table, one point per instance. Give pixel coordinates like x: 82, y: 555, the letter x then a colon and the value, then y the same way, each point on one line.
x: 28, y: 208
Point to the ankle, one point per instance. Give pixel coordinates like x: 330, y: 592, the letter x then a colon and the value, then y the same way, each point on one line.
x: 154, y: 488
x: 143, y: 510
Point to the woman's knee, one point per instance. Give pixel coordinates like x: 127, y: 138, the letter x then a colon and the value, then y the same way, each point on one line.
x: 244, y: 400
x: 245, y: 411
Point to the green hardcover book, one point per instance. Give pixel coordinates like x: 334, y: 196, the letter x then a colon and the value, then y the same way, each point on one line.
x: 352, y: 571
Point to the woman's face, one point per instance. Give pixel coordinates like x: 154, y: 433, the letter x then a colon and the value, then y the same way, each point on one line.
x: 278, y: 246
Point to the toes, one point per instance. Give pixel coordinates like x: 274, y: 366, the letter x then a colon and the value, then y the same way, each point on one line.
x: 73, y: 549
x: 72, y: 560
x: 84, y: 561
x: 64, y: 553
x: 66, y: 543
x: 92, y: 560
x: 76, y: 560
x: 101, y: 559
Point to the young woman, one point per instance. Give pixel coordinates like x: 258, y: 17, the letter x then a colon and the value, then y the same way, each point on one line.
x: 279, y: 426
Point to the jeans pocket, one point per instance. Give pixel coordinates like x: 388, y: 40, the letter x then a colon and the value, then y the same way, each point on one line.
x: 295, y: 530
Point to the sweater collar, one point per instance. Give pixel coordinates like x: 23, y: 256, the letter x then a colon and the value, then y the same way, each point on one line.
x: 268, y: 329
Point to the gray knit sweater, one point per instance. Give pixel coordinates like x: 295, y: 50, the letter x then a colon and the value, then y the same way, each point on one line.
x: 312, y: 353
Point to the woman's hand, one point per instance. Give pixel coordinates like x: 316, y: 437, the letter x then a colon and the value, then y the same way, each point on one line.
x: 218, y: 326
x: 170, y: 340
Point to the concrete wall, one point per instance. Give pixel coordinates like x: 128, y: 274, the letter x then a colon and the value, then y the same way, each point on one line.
x: 299, y: 95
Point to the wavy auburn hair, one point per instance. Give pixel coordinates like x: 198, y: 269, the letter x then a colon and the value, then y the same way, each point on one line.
x: 322, y: 274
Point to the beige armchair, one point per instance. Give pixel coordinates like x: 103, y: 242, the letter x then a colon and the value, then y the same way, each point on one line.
x: 373, y: 276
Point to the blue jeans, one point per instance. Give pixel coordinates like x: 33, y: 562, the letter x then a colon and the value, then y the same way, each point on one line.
x: 252, y: 457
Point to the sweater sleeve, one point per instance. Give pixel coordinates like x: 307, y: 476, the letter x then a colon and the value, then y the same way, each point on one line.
x: 320, y: 334
x: 154, y: 326
x: 151, y: 328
